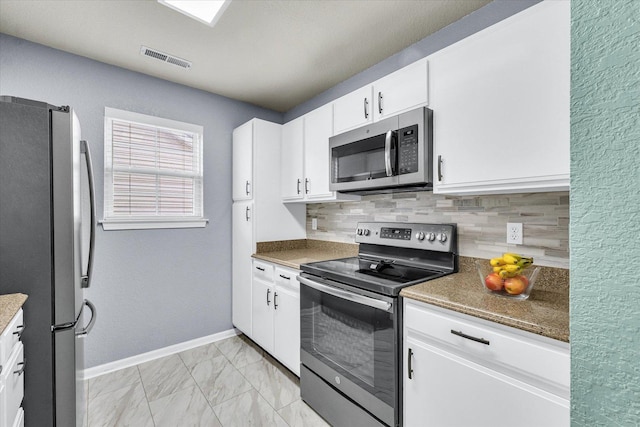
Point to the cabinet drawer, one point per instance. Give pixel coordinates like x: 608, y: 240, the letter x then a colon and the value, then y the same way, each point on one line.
x: 13, y: 380
x: 286, y: 277
x: 538, y: 360
x: 263, y: 271
x: 11, y: 336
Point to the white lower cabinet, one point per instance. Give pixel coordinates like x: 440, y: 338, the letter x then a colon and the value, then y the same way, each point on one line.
x: 276, y: 312
x: 12, y: 364
x: 463, y: 371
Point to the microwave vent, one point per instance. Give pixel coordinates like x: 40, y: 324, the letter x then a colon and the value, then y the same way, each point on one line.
x: 165, y: 57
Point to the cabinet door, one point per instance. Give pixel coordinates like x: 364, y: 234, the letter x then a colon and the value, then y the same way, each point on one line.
x: 292, y: 160
x: 402, y: 90
x: 242, y: 249
x: 501, y: 105
x: 262, y: 308
x: 353, y: 110
x: 242, y: 162
x: 446, y: 390
x: 287, y: 327
x: 317, y: 130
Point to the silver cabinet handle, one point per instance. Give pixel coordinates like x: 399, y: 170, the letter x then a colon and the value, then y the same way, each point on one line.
x: 380, y: 102
x: 366, y: 108
x: 298, y: 186
x: 20, y: 330
x: 306, y: 186
x: 469, y: 337
x: 260, y: 268
x: 268, y: 300
x: 409, y: 367
x: 285, y: 277
x: 22, y: 365
x: 357, y: 298
x: 275, y: 300
x: 387, y: 153
x: 84, y: 148
x: 246, y: 213
x: 85, y: 331
x: 440, y: 168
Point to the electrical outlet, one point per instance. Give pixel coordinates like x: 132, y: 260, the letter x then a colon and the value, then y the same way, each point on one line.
x: 314, y: 223
x: 514, y: 233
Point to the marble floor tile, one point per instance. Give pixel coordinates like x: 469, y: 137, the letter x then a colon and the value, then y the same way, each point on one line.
x: 219, y: 380
x: 276, y: 384
x: 164, y: 376
x: 185, y: 408
x: 248, y: 409
x: 299, y: 414
x: 113, y: 381
x: 240, y: 350
x: 196, y: 355
x: 124, y: 407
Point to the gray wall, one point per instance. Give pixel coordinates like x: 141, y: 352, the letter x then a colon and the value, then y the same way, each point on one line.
x: 482, y: 18
x: 152, y: 288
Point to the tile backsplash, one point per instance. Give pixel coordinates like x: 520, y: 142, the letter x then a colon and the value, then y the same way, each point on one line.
x: 482, y: 221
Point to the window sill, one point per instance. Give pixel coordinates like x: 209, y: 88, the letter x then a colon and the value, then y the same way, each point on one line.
x: 148, y: 224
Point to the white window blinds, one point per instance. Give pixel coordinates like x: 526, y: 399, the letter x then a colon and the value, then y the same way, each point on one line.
x: 153, y: 170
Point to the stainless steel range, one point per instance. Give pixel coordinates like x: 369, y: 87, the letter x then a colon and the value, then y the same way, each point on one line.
x: 351, y: 319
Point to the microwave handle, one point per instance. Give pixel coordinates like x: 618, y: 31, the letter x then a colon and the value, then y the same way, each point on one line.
x: 388, y: 139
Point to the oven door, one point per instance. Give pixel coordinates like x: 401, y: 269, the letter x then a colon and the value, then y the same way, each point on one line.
x: 348, y: 338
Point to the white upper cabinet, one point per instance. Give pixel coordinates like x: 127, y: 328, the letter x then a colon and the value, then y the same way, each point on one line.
x: 242, y: 162
x: 402, y: 90
x: 318, y: 128
x: 397, y: 92
x: 501, y: 106
x: 353, y: 110
x: 292, y: 152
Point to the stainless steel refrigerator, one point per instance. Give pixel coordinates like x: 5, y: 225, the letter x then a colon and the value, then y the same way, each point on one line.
x: 47, y: 225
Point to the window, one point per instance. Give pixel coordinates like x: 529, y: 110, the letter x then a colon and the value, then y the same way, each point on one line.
x: 152, y: 173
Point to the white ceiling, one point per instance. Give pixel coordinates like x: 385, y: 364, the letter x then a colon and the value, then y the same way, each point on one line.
x: 272, y: 53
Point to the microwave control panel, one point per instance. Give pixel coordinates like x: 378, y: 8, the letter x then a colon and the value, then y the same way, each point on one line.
x: 408, y: 150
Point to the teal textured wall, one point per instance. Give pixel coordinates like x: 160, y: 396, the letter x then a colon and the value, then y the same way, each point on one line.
x: 605, y: 212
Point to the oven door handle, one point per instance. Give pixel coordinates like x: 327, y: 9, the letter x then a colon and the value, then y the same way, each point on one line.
x: 357, y: 298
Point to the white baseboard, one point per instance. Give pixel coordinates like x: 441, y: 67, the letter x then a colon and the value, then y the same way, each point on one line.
x: 155, y: 354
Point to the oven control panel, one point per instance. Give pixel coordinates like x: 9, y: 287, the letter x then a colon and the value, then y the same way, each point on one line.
x: 435, y: 237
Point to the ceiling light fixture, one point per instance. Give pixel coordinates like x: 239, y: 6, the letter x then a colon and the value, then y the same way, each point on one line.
x: 206, y: 11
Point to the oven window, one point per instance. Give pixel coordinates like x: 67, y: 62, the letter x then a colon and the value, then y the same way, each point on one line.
x: 346, y: 341
x: 355, y: 340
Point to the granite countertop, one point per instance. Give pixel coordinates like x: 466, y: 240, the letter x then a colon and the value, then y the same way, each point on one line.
x: 545, y: 312
x: 9, y: 306
x: 292, y: 253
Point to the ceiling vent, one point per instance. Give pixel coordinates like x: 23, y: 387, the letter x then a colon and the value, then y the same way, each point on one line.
x: 165, y: 57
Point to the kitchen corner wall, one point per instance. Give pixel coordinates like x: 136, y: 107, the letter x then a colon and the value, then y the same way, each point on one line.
x: 481, y: 220
x: 151, y: 288
x: 605, y: 213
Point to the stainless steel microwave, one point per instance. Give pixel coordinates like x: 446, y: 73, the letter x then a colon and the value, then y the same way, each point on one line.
x: 394, y: 154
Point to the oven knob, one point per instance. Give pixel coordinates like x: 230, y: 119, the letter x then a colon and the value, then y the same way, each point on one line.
x: 366, y: 232
x: 431, y: 237
x: 420, y: 235
x: 442, y: 237
x: 337, y: 380
x: 359, y: 231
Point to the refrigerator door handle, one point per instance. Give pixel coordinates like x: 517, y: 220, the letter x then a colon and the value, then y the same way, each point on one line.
x: 84, y: 148
x: 85, y: 331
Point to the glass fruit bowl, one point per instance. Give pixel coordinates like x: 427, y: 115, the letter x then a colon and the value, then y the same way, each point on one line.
x: 515, y: 285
